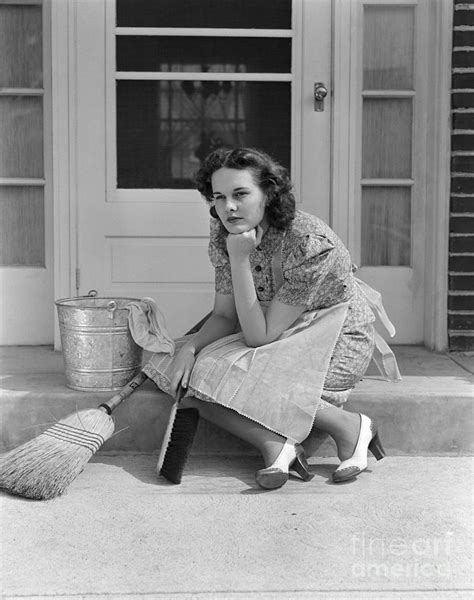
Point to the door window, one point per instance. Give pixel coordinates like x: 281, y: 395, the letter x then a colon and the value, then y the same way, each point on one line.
x: 192, y: 76
x: 388, y: 97
x: 260, y: 14
x: 22, y: 233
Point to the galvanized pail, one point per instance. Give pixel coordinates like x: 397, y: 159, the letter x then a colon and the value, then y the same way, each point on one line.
x: 98, y: 349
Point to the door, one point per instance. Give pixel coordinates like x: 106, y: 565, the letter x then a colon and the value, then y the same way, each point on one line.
x: 380, y: 168
x: 158, y: 88
x: 26, y: 246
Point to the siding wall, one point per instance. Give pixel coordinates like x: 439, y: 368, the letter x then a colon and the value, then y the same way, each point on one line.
x: 461, y: 243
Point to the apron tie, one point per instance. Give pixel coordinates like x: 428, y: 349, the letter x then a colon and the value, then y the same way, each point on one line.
x: 383, y: 356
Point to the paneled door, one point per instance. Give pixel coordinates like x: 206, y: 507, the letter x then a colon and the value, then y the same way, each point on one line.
x: 159, y: 85
x: 26, y: 223
x: 386, y: 103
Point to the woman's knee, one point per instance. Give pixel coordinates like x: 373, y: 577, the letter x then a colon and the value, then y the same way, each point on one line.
x: 336, y: 397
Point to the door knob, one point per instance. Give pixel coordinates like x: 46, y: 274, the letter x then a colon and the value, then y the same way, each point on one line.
x: 320, y: 92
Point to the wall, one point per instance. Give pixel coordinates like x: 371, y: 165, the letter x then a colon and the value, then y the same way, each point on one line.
x: 461, y: 241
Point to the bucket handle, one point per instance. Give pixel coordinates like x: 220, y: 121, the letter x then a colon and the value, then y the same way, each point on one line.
x: 111, y: 307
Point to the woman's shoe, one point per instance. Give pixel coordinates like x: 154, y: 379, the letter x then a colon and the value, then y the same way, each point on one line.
x: 368, y: 440
x: 291, y: 457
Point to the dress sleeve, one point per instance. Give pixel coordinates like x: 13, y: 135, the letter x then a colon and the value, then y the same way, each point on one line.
x: 220, y: 260
x: 310, y: 260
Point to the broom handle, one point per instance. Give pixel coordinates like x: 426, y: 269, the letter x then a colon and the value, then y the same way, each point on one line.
x: 132, y: 385
x: 125, y: 392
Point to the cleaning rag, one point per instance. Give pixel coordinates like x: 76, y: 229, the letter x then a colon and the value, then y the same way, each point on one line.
x: 148, y: 328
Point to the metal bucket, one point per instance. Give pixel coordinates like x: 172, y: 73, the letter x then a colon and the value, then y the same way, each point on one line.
x: 98, y: 349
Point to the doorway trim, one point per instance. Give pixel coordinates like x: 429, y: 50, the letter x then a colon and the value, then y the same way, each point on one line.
x: 439, y: 184
x: 64, y: 85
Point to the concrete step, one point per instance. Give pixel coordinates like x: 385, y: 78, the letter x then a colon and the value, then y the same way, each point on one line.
x: 429, y: 412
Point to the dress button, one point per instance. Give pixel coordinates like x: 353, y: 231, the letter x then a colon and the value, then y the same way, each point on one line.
x: 260, y: 288
x: 258, y: 268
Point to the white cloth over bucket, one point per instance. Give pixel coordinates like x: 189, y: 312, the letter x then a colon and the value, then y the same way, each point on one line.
x: 148, y: 328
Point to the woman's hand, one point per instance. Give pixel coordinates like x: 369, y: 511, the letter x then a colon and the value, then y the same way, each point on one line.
x: 241, y: 245
x: 182, y: 366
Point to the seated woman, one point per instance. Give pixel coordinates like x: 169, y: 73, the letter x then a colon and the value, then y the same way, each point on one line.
x: 291, y: 331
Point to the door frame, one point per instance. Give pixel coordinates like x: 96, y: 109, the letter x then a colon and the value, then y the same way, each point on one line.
x: 64, y: 135
x: 438, y: 188
x: 64, y: 87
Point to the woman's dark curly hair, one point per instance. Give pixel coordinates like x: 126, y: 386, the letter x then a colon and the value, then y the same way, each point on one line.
x: 272, y: 178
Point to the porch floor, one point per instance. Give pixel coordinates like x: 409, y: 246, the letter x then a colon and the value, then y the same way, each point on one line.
x: 402, y: 529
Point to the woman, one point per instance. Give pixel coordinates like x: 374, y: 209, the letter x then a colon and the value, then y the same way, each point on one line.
x: 290, y: 329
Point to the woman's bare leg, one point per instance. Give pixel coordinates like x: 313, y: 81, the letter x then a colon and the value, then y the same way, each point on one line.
x: 343, y: 426
x: 268, y: 443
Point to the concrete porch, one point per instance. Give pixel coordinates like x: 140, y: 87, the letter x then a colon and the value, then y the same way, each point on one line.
x: 402, y: 529
x: 429, y: 412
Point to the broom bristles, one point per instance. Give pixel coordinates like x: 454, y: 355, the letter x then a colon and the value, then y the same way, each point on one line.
x: 44, y: 467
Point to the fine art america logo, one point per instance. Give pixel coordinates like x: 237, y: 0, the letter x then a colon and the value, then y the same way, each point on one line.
x: 402, y: 558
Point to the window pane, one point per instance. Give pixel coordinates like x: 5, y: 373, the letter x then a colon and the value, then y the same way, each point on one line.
x: 21, y: 52
x: 21, y: 138
x: 165, y: 128
x: 388, y: 47
x: 262, y: 14
x: 386, y: 226
x: 21, y: 226
x: 204, y: 54
x: 386, y: 138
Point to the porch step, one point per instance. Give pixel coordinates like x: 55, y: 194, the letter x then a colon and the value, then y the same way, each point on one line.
x: 429, y: 412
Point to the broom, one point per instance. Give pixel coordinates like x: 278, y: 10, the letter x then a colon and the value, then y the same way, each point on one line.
x: 45, y: 466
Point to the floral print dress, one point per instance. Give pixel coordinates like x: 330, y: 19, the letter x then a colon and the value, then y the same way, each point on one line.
x: 317, y: 273
x: 319, y: 359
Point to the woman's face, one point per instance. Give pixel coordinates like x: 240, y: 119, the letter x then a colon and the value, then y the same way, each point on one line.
x: 239, y: 201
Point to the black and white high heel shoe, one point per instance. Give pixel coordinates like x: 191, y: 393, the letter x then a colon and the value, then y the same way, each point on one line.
x: 277, y: 474
x: 368, y: 440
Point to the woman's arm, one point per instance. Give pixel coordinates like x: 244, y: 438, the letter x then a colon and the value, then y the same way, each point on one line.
x: 222, y: 322
x: 258, y: 328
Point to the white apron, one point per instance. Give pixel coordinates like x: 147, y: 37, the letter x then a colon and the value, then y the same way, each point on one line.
x: 278, y: 385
